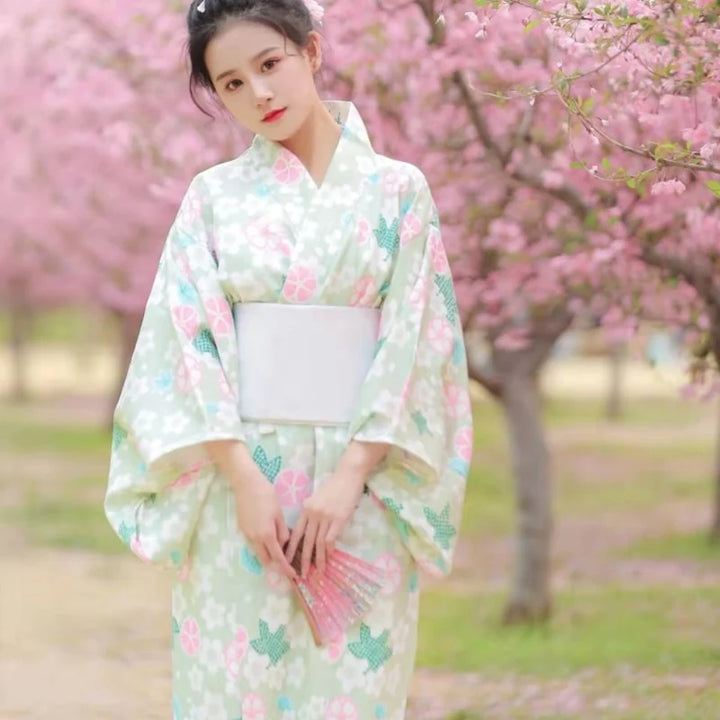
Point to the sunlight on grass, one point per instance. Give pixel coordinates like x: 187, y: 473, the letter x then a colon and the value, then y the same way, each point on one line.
x: 691, y: 546
x: 65, y: 524
x: 600, y: 628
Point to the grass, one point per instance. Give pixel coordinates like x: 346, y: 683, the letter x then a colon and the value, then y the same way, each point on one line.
x: 695, y: 547
x: 614, y: 639
x: 600, y: 628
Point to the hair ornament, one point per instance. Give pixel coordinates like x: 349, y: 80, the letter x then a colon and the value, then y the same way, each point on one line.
x: 201, y: 7
x: 316, y: 10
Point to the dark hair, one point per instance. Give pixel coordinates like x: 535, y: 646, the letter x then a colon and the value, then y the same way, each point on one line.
x: 290, y: 18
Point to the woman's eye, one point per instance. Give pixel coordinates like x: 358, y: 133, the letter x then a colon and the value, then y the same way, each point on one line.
x: 233, y: 85
x: 270, y: 64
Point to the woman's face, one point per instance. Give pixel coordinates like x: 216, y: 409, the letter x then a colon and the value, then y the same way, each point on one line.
x: 256, y: 70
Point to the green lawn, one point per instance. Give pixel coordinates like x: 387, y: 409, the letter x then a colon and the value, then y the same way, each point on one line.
x: 619, y: 642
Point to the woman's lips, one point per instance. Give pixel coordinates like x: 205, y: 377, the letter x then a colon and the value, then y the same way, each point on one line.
x: 275, y: 115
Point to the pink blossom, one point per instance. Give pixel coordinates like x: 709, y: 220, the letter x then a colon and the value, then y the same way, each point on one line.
x: 300, y: 284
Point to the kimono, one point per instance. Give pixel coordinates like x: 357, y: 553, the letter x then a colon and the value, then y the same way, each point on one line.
x: 259, y: 229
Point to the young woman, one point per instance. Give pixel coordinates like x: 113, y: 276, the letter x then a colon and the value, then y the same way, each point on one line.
x: 243, y: 429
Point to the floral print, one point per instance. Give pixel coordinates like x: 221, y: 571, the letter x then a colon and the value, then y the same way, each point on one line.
x: 258, y: 229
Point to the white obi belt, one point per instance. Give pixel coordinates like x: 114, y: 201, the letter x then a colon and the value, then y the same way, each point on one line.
x: 303, y: 363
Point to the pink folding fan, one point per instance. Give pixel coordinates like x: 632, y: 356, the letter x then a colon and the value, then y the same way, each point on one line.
x: 338, y: 597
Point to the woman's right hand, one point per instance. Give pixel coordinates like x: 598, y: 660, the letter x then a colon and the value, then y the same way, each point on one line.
x: 257, y: 507
x: 260, y: 518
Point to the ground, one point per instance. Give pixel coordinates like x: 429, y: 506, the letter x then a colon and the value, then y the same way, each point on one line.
x: 84, y: 632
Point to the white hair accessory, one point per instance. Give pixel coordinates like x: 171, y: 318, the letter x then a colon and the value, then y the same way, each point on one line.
x: 316, y: 10
x: 201, y: 7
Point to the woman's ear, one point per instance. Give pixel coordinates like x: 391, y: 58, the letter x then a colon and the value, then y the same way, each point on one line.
x: 313, y: 51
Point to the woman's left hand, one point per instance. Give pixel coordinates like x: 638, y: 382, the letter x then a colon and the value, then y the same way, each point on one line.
x: 324, y: 516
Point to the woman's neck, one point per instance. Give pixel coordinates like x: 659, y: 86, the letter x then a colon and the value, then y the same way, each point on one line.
x: 315, y: 142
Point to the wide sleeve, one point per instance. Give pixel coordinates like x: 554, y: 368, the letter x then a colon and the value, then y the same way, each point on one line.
x: 416, y: 394
x: 180, y: 392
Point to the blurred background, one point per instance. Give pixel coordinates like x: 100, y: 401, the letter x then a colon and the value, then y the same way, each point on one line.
x: 573, y: 151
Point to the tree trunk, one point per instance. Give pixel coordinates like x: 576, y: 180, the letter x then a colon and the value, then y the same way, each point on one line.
x: 129, y: 326
x: 715, y: 527
x: 19, y: 327
x: 530, y: 598
x: 613, y: 407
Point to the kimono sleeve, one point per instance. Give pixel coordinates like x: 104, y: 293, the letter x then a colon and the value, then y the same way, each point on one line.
x: 180, y: 392
x: 416, y: 394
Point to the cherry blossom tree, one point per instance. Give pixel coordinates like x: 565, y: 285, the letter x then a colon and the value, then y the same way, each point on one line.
x: 536, y: 238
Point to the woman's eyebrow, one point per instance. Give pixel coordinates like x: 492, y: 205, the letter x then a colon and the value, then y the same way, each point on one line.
x: 252, y: 60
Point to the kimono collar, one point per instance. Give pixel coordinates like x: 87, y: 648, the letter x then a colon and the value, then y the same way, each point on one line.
x: 345, y: 114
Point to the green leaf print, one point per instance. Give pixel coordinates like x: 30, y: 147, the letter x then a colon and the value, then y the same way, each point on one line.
x: 445, y: 288
x: 443, y: 528
x: 205, y: 343
x: 119, y: 436
x: 274, y: 645
x: 376, y: 651
x: 388, y: 238
x: 421, y: 423
x: 270, y: 468
x: 127, y: 532
x: 396, y: 508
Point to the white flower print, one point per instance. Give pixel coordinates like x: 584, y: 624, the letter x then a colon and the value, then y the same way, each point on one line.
x: 276, y: 611
x: 399, y: 635
x: 213, y: 614
x: 212, y: 655
x: 196, y: 678
x: 314, y: 709
x: 175, y: 423
x: 296, y: 672
x: 213, y: 706
x: 255, y: 668
x: 352, y: 673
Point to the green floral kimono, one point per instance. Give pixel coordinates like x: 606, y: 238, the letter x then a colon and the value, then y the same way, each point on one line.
x: 258, y: 229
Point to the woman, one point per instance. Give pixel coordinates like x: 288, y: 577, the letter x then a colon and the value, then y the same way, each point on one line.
x: 307, y: 219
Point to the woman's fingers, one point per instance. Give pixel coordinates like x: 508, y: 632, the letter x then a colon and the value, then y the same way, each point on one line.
x: 276, y: 554
x: 311, y: 531
x: 295, y: 538
x: 321, y: 545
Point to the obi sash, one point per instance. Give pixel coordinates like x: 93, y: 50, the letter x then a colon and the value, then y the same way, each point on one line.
x: 303, y: 363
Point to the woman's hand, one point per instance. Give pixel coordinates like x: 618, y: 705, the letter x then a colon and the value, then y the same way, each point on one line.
x: 260, y: 518
x: 324, y: 516
x: 257, y: 507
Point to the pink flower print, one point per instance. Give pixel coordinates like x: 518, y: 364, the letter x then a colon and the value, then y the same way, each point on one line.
x: 418, y: 294
x: 342, y: 708
x: 334, y: 649
x: 184, y: 571
x: 292, y: 487
x: 410, y: 228
x: 137, y: 548
x: 190, y: 636
x: 219, y: 316
x: 253, y: 707
x: 236, y: 651
x: 437, y: 252
x: 288, y: 169
x: 364, y: 291
x: 390, y: 567
x: 407, y: 389
x: 187, y: 319
x: 391, y: 183
x: 363, y: 231
x: 429, y: 568
x: 188, y: 477
x: 300, y: 284
x: 457, y: 400
x: 464, y: 443
x: 188, y: 373
x: 440, y: 334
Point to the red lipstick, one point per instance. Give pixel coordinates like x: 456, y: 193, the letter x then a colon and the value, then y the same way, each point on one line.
x: 274, y: 115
